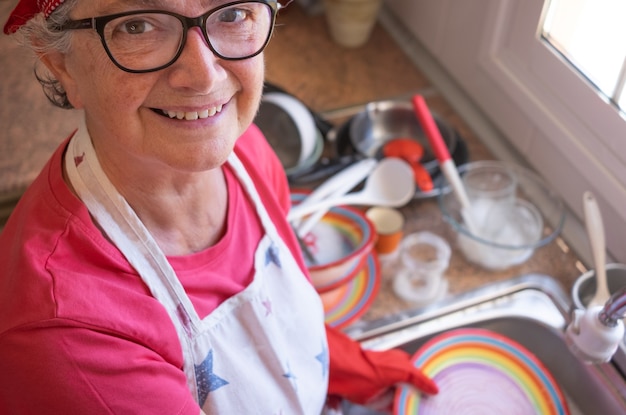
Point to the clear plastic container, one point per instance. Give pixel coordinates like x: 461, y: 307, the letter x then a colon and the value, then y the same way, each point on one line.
x: 424, y: 257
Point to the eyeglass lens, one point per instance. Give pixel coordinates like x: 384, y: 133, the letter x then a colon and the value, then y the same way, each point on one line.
x: 149, y: 40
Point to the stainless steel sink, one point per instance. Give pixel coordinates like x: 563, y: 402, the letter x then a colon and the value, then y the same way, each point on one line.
x: 532, y: 310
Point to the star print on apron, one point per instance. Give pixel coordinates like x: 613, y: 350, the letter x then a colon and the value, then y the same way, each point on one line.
x: 263, y: 350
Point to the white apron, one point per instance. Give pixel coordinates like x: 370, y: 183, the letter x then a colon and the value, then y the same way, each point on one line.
x: 262, y: 351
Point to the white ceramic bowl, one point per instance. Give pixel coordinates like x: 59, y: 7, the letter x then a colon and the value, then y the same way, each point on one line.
x: 340, y: 243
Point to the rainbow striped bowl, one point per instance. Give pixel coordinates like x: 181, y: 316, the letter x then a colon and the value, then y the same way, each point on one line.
x: 346, y: 303
x: 340, y: 243
x: 481, y: 372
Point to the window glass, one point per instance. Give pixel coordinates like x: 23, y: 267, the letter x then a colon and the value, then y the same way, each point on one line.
x: 591, y: 35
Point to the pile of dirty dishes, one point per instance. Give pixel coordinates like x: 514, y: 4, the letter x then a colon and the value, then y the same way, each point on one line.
x: 513, y: 212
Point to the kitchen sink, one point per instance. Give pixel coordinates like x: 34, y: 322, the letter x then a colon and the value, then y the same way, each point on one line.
x: 533, y: 310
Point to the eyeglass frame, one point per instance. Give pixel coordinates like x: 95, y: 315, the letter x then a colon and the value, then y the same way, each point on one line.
x: 98, y: 23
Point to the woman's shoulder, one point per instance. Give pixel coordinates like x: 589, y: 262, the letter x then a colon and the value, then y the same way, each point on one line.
x: 48, y: 236
x: 45, y: 210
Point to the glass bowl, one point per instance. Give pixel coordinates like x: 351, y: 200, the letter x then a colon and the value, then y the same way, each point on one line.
x: 508, y: 230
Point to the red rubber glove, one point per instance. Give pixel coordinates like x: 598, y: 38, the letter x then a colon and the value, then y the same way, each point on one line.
x: 361, y: 376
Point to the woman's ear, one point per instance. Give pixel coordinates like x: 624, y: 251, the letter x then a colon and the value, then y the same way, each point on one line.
x: 56, y: 62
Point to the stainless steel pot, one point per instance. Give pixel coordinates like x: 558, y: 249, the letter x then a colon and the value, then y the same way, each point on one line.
x: 383, y: 121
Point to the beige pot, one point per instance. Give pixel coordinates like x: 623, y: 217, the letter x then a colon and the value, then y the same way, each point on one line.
x: 350, y: 22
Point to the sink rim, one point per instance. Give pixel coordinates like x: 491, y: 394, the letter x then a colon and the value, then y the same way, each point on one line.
x: 364, y: 330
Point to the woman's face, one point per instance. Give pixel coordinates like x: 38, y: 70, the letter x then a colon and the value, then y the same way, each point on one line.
x: 126, y: 113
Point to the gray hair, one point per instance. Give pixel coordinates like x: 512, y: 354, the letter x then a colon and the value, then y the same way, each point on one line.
x: 38, y: 35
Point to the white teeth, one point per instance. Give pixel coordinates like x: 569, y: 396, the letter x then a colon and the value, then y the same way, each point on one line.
x: 190, y: 116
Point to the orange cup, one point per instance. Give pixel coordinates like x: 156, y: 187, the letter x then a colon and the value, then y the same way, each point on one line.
x: 389, y: 224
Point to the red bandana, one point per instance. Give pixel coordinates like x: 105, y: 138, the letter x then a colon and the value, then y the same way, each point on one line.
x: 26, y: 10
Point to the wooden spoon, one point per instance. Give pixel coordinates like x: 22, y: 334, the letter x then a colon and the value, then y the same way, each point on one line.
x: 595, y: 232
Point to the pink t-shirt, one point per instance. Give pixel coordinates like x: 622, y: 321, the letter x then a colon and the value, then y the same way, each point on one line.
x: 80, y: 331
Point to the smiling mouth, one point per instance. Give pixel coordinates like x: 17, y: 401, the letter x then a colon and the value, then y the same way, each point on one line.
x: 190, y: 115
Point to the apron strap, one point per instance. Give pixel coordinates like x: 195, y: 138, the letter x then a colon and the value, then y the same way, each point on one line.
x: 121, y: 224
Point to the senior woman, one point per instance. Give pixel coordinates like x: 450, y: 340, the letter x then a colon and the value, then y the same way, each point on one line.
x: 150, y: 268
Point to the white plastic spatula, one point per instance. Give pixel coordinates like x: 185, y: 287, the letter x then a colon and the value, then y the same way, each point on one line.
x: 338, y: 185
x: 389, y: 184
x: 595, y: 232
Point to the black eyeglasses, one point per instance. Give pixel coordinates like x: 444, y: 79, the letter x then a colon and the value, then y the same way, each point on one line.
x: 149, y: 40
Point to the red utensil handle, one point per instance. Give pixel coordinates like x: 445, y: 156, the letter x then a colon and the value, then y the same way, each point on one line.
x: 430, y: 129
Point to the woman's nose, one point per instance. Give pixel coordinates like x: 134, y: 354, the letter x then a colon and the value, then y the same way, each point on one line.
x: 197, y: 67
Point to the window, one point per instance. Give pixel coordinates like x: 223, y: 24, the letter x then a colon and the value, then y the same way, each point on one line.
x: 591, y: 35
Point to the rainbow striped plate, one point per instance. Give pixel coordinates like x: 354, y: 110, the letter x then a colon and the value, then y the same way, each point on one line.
x: 346, y: 303
x: 481, y: 372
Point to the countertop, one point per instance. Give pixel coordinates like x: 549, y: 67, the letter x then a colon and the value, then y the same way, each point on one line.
x: 334, y: 81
